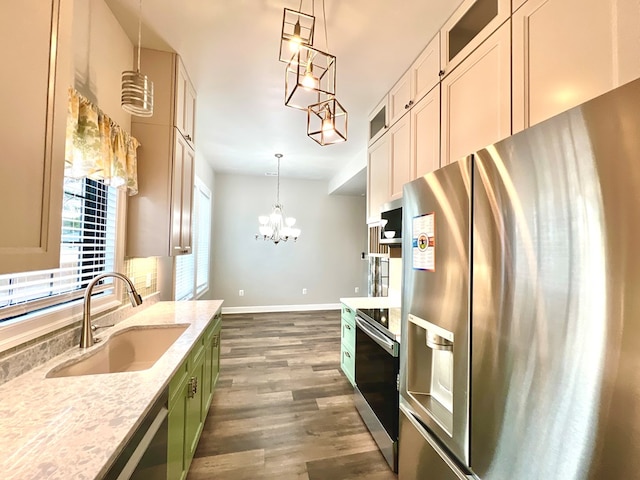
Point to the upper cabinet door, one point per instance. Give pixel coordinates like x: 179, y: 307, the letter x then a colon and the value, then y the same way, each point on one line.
x: 422, y: 76
x: 401, y: 167
x: 476, y: 99
x: 378, y: 186
x: 425, y: 134
x: 468, y: 27
x: 425, y: 71
x: 399, y: 98
x: 33, y: 95
x: 185, y: 104
x: 566, y: 52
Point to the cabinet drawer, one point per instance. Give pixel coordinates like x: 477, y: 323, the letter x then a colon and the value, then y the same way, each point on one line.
x: 348, y: 336
x: 348, y: 364
x: 348, y: 314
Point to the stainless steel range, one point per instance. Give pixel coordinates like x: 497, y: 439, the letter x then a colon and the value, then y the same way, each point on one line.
x: 377, y: 368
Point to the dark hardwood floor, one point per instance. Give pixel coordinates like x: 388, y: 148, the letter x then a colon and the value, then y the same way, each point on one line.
x: 282, y: 408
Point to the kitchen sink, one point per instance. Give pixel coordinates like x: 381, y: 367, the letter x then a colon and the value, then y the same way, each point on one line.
x: 133, y: 349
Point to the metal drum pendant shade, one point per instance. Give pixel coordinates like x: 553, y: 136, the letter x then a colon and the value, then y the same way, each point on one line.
x: 137, y: 94
x: 137, y: 89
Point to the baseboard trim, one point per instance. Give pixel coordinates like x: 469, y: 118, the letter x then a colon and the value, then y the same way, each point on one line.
x: 282, y: 308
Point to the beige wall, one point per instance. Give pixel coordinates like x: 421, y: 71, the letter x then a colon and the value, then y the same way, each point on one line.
x: 101, y: 52
x: 325, y: 260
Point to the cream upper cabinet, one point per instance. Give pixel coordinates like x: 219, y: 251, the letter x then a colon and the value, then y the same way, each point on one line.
x: 378, y: 187
x: 33, y: 98
x: 566, y: 52
x: 182, y: 196
x: 159, y: 217
x: 399, y: 98
x: 425, y: 71
x: 468, y: 27
x: 185, y: 104
x: 174, y: 98
x: 378, y: 120
x: 476, y: 99
x: 421, y: 77
x: 516, y: 4
x: 425, y: 134
x: 400, y: 168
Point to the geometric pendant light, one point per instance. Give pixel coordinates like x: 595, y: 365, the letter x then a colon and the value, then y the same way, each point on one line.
x: 297, y: 30
x: 310, y: 76
x: 327, y: 122
x: 137, y: 89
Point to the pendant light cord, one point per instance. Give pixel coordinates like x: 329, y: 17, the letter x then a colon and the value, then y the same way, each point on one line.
x: 139, y: 33
x: 324, y: 20
x: 278, y: 189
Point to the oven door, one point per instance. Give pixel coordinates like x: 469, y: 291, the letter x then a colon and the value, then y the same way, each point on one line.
x: 377, y: 367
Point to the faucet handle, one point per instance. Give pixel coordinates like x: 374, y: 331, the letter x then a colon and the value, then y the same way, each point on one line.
x: 96, y: 327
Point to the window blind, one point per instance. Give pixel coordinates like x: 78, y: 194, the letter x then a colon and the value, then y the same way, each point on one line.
x: 88, y: 243
x: 192, y: 271
x: 203, y: 238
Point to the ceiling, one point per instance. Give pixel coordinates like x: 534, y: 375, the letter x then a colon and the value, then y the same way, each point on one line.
x: 230, y: 49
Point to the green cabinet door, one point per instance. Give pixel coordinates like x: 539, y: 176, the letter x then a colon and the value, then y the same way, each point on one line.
x: 176, y: 466
x: 195, y: 403
x: 215, y: 354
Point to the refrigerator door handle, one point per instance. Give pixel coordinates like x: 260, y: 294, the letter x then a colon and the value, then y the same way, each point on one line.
x: 445, y: 456
x: 379, y: 338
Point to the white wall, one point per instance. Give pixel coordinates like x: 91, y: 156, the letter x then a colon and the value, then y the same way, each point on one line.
x: 325, y: 260
x: 101, y: 52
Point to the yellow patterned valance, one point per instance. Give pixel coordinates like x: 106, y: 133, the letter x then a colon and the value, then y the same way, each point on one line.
x: 98, y: 148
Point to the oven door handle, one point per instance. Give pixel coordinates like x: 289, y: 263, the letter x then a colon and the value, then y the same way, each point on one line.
x: 377, y: 337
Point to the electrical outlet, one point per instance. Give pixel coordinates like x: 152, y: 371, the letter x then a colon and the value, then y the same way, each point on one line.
x: 148, y: 282
x: 357, y: 289
x: 241, y: 293
x: 304, y: 291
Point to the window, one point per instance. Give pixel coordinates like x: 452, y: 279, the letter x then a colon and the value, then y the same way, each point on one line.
x: 88, y: 244
x: 192, y: 271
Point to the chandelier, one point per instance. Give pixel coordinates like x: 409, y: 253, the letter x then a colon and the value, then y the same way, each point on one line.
x: 310, y: 77
x: 277, y: 227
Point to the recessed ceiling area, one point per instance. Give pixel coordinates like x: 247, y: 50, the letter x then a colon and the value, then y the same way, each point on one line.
x: 231, y: 48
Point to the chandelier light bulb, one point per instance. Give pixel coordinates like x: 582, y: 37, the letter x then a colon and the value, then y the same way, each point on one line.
x: 295, y: 41
x: 309, y: 81
x: 290, y: 221
x: 263, y: 219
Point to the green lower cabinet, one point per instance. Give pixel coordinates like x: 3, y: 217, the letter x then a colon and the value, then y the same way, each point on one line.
x: 195, y: 404
x: 211, y: 363
x: 348, y: 343
x: 176, y: 468
x: 190, y: 395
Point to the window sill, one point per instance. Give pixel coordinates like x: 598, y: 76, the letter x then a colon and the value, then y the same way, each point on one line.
x: 38, y: 324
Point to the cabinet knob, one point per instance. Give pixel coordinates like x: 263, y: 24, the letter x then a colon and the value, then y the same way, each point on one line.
x: 406, y: 106
x: 188, y: 137
x: 410, y: 102
x: 441, y: 73
x: 347, y: 354
x: 348, y: 326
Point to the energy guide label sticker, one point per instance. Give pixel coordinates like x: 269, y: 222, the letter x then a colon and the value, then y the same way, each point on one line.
x: 423, y: 240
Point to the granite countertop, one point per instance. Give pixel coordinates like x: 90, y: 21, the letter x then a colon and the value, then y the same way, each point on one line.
x: 370, y: 302
x: 75, y: 427
x: 393, y: 304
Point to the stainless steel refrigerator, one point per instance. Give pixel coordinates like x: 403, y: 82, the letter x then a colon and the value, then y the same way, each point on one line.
x: 554, y: 305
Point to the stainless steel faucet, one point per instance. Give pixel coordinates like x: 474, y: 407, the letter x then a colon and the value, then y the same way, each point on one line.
x: 86, y: 334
